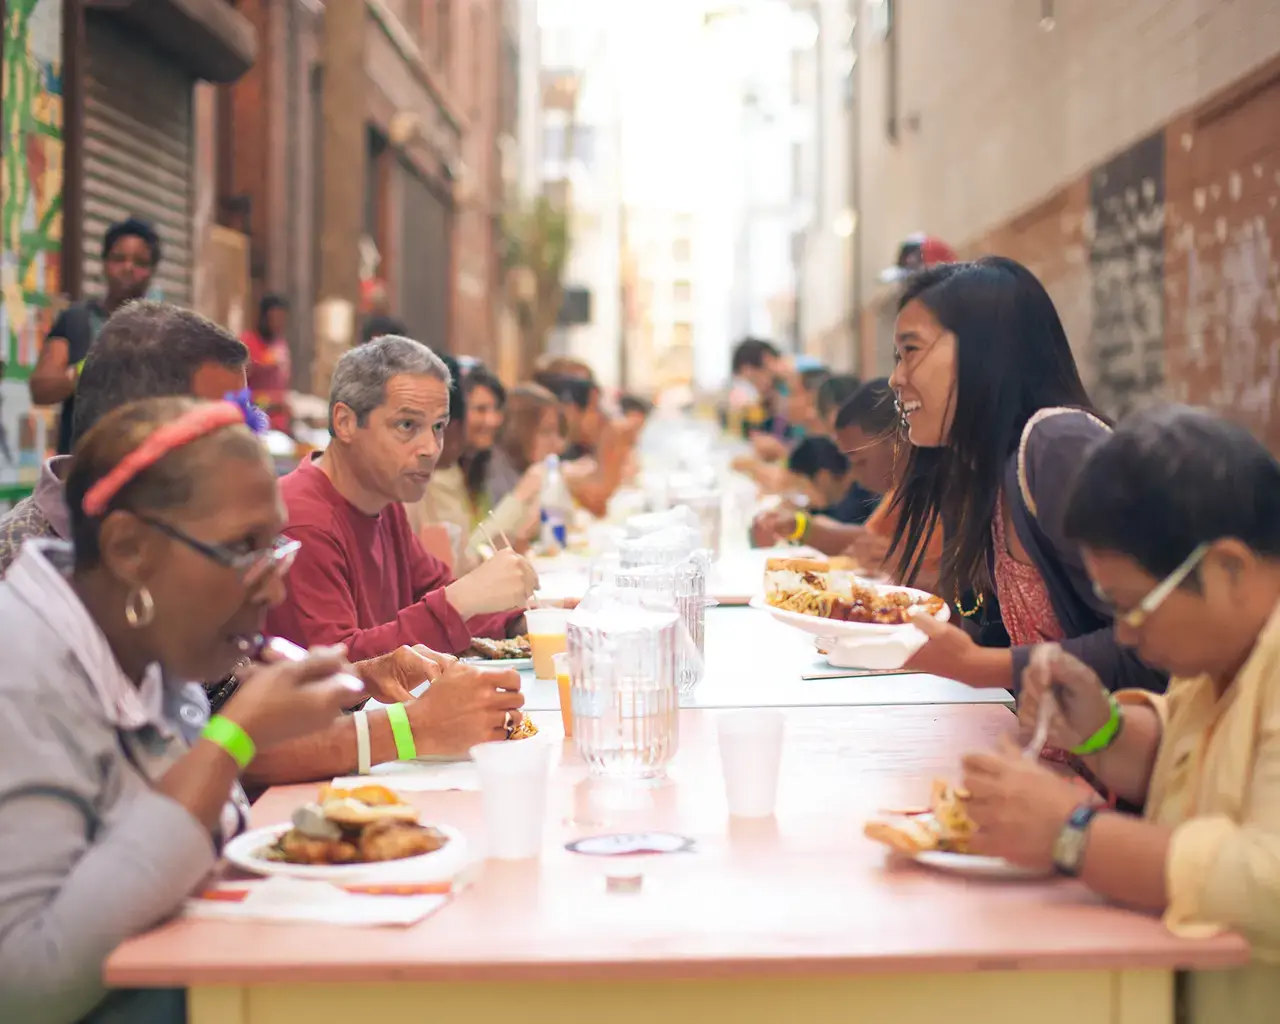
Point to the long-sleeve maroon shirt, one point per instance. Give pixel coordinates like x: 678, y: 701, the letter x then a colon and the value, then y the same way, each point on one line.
x: 365, y: 581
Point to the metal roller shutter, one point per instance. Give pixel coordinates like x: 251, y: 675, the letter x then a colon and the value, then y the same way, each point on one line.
x: 425, y: 265
x: 137, y: 151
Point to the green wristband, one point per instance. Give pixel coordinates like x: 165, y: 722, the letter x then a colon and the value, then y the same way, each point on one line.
x: 224, y: 733
x: 406, y: 749
x: 1105, y: 736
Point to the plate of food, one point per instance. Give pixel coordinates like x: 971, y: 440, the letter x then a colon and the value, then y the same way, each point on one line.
x: 939, y: 837
x: 514, y: 652
x: 811, y: 595
x: 360, y: 833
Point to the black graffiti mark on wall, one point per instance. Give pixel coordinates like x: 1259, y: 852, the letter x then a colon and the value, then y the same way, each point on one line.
x: 1126, y: 263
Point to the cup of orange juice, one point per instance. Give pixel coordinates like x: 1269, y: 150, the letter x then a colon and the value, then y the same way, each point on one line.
x: 547, y: 638
x: 563, y: 679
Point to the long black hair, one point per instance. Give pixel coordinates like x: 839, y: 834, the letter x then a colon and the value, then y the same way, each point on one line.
x: 1012, y: 359
x: 475, y: 465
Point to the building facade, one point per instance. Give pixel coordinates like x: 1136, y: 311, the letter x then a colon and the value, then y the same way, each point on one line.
x: 581, y: 155
x: 1127, y: 153
x: 362, y: 170
x: 105, y: 112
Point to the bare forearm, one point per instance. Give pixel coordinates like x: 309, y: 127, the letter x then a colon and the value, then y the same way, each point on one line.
x: 1125, y: 766
x: 201, y: 781
x: 829, y: 536
x: 1124, y: 860
x: 985, y: 668
x: 322, y: 755
x: 50, y: 390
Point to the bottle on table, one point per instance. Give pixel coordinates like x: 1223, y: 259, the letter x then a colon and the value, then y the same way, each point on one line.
x: 557, y: 506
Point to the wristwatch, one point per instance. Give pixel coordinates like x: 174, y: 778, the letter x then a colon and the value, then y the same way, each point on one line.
x: 1068, y: 848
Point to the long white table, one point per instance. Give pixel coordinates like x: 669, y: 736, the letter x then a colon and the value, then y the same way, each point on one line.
x: 754, y: 661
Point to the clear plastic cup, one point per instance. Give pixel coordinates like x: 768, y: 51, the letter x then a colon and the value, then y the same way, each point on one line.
x: 547, y: 638
x: 514, y: 777
x: 750, y: 753
x: 564, y: 684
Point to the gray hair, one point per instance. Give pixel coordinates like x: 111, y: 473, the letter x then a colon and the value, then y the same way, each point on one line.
x: 360, y: 379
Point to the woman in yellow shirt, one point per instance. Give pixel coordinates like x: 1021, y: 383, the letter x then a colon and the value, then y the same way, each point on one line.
x: 1178, y: 513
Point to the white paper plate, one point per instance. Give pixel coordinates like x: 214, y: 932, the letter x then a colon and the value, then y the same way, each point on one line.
x: 873, y: 653
x: 818, y: 626
x: 975, y: 866
x: 518, y: 664
x: 440, y: 865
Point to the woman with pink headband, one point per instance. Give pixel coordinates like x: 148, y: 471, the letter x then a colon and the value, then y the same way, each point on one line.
x: 117, y: 788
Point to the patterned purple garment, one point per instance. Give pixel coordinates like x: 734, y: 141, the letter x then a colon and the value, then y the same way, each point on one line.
x: 20, y: 524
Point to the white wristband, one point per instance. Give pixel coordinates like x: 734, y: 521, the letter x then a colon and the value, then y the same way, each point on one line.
x: 362, y: 742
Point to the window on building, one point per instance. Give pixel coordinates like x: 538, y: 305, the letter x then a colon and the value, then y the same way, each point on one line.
x: 681, y: 250
x: 682, y: 291
x: 554, y: 144
x: 682, y: 335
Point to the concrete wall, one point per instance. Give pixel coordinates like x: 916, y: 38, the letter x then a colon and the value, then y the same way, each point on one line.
x: 1130, y: 156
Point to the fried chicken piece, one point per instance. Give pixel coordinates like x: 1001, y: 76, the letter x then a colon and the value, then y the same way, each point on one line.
x: 300, y: 849
x: 372, y: 794
x: 395, y: 840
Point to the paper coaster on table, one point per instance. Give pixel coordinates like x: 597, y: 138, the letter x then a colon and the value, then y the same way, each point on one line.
x: 630, y: 844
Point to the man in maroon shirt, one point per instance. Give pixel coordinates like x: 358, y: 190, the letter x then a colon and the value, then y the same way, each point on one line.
x: 362, y: 578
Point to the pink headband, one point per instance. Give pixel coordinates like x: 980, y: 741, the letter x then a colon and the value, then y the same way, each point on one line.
x: 186, y: 428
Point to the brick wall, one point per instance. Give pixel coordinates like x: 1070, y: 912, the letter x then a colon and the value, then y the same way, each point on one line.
x: 1130, y: 157
x: 475, y: 83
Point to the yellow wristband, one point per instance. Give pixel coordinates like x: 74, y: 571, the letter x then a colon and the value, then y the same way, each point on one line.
x: 228, y: 735
x: 802, y: 527
x: 402, y: 732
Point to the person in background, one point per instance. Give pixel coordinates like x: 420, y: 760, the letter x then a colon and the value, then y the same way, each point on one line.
x: 379, y: 325
x: 1178, y: 518
x: 832, y: 394
x: 130, y: 255
x: 580, y: 404
x: 635, y: 410
x: 270, y: 364
x: 864, y: 441
x: 485, y: 399
x: 595, y: 460
x: 146, y: 350
x: 822, y: 471
x: 564, y: 366
x: 532, y: 431
x: 918, y: 252
x: 117, y: 788
x: 999, y: 423
x: 361, y: 577
x: 801, y: 403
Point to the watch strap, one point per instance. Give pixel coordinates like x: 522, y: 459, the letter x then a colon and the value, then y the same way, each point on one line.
x: 1068, y: 848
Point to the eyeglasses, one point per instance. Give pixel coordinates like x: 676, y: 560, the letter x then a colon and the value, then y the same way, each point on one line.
x: 1136, y: 617
x: 251, y: 566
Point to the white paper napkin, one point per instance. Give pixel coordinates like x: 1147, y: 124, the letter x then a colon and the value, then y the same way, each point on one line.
x: 294, y: 901
x: 420, y: 776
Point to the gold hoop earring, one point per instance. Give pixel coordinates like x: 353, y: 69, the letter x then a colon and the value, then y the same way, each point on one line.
x: 139, y: 608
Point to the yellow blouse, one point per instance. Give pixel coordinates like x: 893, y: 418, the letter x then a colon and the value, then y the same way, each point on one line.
x: 1216, y: 782
x: 447, y: 501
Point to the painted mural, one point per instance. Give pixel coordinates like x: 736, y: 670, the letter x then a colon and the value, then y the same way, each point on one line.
x: 30, y: 225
